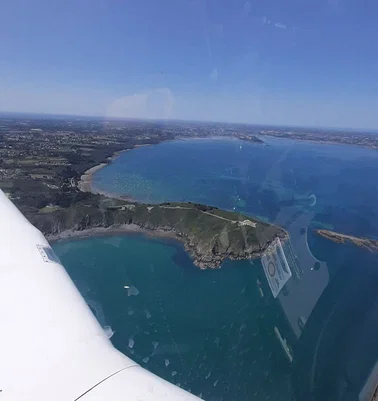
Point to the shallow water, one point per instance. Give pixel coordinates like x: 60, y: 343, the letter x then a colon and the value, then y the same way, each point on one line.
x: 204, y: 330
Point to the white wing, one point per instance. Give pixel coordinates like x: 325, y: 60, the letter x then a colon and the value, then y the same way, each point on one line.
x: 51, y: 345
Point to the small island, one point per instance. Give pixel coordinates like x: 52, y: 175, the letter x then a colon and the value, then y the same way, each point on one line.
x: 366, y: 243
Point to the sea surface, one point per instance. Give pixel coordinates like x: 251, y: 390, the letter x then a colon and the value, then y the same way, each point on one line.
x: 209, y: 331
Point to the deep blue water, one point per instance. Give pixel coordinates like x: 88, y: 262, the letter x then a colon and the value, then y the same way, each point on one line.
x: 210, y: 331
x: 261, y: 180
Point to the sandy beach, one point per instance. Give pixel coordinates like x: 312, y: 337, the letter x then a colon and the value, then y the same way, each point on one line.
x: 85, y: 184
x: 126, y: 229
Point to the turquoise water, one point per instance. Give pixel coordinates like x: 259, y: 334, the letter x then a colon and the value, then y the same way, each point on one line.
x: 209, y: 331
x: 262, y: 180
x: 203, y: 330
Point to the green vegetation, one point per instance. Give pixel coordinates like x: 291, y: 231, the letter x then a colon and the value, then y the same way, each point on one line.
x: 210, y: 235
x: 42, y: 162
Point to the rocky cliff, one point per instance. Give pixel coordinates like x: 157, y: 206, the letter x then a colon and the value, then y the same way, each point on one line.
x: 210, y: 235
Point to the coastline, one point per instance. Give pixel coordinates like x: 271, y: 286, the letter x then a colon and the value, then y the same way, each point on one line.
x: 85, y: 183
x: 339, y: 238
x: 199, y: 259
x: 126, y: 229
x: 203, y: 256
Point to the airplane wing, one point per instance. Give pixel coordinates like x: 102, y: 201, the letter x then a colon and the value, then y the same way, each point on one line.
x: 51, y: 345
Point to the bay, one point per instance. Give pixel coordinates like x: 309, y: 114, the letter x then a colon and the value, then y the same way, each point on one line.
x: 252, y: 178
x: 203, y: 330
x: 209, y: 331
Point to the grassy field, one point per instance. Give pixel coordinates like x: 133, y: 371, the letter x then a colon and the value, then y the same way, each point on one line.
x: 210, y: 234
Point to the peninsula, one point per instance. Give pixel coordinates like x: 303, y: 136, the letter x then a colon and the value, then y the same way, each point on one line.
x: 210, y: 235
x: 46, y: 168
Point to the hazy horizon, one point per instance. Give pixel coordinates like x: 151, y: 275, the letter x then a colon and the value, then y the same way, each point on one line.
x: 22, y: 114
x: 242, y: 61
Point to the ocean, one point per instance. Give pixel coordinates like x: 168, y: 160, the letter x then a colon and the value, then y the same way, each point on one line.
x: 209, y: 331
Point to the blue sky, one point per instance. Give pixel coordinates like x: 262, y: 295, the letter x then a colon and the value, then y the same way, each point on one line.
x: 302, y: 62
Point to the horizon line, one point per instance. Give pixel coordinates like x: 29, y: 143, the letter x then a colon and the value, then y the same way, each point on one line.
x: 177, y: 120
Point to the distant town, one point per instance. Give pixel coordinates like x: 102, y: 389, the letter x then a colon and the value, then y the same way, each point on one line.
x: 45, y: 162
x: 43, y: 157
